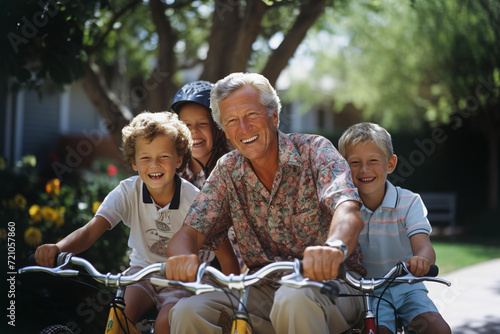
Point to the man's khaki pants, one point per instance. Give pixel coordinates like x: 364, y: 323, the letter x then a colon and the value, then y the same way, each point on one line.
x: 283, y: 311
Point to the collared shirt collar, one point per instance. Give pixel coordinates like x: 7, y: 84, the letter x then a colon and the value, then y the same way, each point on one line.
x: 287, y: 154
x: 174, y: 204
x: 390, y: 199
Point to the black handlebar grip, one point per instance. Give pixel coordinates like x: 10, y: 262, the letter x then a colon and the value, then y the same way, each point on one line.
x: 433, y: 271
x: 342, y: 270
x: 31, y: 260
x: 58, y: 260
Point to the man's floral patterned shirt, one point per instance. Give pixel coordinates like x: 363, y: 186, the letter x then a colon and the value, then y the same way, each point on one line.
x: 311, y: 180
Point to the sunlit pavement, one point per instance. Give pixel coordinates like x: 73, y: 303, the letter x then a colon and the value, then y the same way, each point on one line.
x: 472, y: 304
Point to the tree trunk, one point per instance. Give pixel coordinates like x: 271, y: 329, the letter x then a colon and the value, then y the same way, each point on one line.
x: 225, y: 28
x: 247, y: 34
x: 114, y: 113
x: 232, y: 35
x: 159, y: 88
x: 309, y: 13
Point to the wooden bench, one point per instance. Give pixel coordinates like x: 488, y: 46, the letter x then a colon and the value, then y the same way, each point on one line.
x: 441, y: 208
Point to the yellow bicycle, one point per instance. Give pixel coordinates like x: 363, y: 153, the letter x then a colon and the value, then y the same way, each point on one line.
x: 117, y: 322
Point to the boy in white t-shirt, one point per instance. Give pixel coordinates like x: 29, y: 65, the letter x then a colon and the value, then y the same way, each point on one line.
x: 153, y: 204
x: 396, y: 229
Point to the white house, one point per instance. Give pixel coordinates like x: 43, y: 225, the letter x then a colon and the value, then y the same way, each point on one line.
x: 45, y: 125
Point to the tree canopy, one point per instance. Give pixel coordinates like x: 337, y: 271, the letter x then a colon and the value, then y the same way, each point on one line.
x: 403, y: 63
x: 148, y: 43
x: 410, y: 63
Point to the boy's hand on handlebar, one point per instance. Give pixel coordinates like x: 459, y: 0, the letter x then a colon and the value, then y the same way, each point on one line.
x: 418, y: 266
x: 45, y: 255
x: 182, y: 267
x: 322, y: 263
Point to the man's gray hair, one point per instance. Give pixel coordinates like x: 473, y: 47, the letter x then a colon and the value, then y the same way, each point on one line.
x: 231, y: 83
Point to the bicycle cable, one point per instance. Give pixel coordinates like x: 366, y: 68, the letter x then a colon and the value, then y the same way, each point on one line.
x: 388, y: 283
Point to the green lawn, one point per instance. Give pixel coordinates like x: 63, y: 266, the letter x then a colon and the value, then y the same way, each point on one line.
x: 452, y: 256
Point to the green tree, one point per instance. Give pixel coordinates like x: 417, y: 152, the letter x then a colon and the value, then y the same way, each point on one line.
x: 147, y: 43
x: 465, y: 77
x: 410, y: 63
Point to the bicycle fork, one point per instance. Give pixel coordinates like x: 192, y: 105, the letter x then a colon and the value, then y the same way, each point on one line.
x: 369, y: 322
x: 240, y: 323
x: 117, y: 321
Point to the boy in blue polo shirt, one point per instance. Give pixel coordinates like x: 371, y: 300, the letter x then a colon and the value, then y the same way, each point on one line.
x: 396, y: 229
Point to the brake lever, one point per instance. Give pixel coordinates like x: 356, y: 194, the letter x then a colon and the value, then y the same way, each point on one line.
x: 57, y: 271
x: 296, y: 275
x: 410, y: 279
x: 195, y: 287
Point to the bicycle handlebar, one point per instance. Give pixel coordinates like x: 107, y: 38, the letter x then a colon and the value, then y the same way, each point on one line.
x: 64, y: 259
x: 239, y: 282
x: 397, y: 274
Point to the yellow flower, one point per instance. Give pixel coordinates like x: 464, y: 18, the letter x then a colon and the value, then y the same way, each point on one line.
x: 19, y: 201
x: 33, y: 236
x: 96, y: 206
x: 35, y: 213
x: 59, y: 220
x: 3, y: 234
x: 60, y: 216
x: 53, y: 187
x: 49, y: 213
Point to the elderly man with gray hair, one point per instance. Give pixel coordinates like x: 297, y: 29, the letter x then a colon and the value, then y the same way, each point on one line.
x: 287, y: 196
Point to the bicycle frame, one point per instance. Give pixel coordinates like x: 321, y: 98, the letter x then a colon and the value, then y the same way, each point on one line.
x: 117, y: 320
x: 240, y: 323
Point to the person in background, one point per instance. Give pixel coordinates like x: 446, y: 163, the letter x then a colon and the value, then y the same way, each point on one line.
x: 396, y: 229
x: 287, y: 196
x: 192, y: 104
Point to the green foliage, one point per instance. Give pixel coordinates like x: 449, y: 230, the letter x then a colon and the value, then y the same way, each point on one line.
x: 45, y: 211
x: 465, y: 39
x: 403, y: 63
x: 44, y: 38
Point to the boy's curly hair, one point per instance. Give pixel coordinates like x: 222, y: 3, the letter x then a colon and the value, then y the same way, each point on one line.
x: 149, y: 125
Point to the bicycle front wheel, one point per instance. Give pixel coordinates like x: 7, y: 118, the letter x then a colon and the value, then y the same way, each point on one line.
x: 56, y: 329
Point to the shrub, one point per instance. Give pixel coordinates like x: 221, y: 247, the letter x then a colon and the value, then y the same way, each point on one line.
x: 47, y: 210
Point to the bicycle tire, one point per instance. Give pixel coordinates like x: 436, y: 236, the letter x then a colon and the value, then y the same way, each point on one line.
x: 56, y: 329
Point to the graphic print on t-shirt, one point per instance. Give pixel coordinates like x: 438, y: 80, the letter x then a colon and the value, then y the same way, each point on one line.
x: 164, y: 234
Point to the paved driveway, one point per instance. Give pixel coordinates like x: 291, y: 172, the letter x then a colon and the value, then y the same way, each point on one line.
x: 472, y: 304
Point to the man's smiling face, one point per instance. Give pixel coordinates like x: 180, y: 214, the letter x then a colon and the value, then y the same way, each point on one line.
x: 248, y: 125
